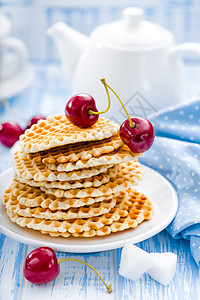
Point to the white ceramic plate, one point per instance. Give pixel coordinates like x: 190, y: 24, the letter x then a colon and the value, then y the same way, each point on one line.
x: 153, y: 185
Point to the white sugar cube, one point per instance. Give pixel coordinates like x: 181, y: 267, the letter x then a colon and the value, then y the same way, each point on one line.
x: 163, y: 268
x: 134, y: 262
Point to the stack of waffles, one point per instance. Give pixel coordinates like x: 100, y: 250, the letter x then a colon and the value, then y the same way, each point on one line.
x: 75, y: 182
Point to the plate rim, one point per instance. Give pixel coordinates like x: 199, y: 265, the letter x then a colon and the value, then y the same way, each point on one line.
x: 71, y: 248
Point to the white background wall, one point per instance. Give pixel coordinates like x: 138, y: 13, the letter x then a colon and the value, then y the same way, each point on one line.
x: 31, y: 18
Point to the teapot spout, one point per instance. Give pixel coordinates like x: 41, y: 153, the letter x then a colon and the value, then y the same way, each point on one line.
x: 70, y: 44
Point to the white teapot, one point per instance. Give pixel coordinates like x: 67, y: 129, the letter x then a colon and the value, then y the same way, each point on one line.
x: 13, y: 52
x: 137, y: 58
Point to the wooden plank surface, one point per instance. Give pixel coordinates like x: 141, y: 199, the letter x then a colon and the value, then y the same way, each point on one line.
x: 76, y: 281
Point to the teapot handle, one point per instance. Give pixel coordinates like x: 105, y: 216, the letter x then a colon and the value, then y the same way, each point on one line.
x: 185, y: 48
x: 20, y: 51
x: 175, y: 53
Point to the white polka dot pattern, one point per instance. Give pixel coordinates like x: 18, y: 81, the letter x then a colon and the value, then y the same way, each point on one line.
x: 176, y: 155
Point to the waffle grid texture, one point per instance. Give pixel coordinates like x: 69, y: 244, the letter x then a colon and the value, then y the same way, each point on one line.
x: 75, y: 182
x: 78, y: 151
x: 57, y: 131
x: 130, y: 210
x: 99, y: 208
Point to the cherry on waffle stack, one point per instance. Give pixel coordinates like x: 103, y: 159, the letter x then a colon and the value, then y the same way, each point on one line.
x: 75, y: 182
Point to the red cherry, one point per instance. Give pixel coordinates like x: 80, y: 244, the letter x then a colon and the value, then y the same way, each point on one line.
x: 9, y: 133
x: 77, y: 109
x: 41, y: 265
x: 34, y: 120
x: 139, y: 138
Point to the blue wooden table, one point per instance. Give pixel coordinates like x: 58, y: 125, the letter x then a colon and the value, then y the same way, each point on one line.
x: 48, y: 95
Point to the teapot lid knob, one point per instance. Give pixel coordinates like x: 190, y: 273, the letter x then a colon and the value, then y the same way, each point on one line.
x: 133, y: 16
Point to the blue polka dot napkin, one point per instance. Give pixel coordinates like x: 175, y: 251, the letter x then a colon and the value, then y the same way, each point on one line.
x: 176, y: 155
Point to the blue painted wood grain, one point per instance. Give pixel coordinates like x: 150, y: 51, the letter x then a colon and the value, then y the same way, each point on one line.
x: 48, y: 95
x: 78, y: 281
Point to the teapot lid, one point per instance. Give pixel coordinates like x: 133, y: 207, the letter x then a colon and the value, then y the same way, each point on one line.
x: 132, y: 33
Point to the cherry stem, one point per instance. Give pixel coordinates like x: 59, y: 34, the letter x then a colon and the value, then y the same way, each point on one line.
x: 132, y: 125
x: 91, y: 112
x: 109, y: 288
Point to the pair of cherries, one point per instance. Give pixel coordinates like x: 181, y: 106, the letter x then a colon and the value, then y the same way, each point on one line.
x: 137, y: 133
x: 10, y: 131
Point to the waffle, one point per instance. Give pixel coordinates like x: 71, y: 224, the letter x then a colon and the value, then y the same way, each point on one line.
x: 129, y: 174
x: 130, y: 210
x: 58, y: 131
x: 13, y: 206
x: 77, y: 151
x: 33, y: 197
x: 123, y: 154
x: 94, y: 181
x: 29, y: 170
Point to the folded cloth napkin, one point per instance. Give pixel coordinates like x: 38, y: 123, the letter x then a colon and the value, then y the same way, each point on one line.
x: 176, y: 155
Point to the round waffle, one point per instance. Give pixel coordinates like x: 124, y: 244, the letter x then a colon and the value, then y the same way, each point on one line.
x: 58, y: 131
x: 29, y: 170
x: 123, y: 154
x: 129, y: 174
x: 78, y: 151
x: 130, y: 210
x: 94, y: 181
x: 96, y: 209
x: 32, y: 197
